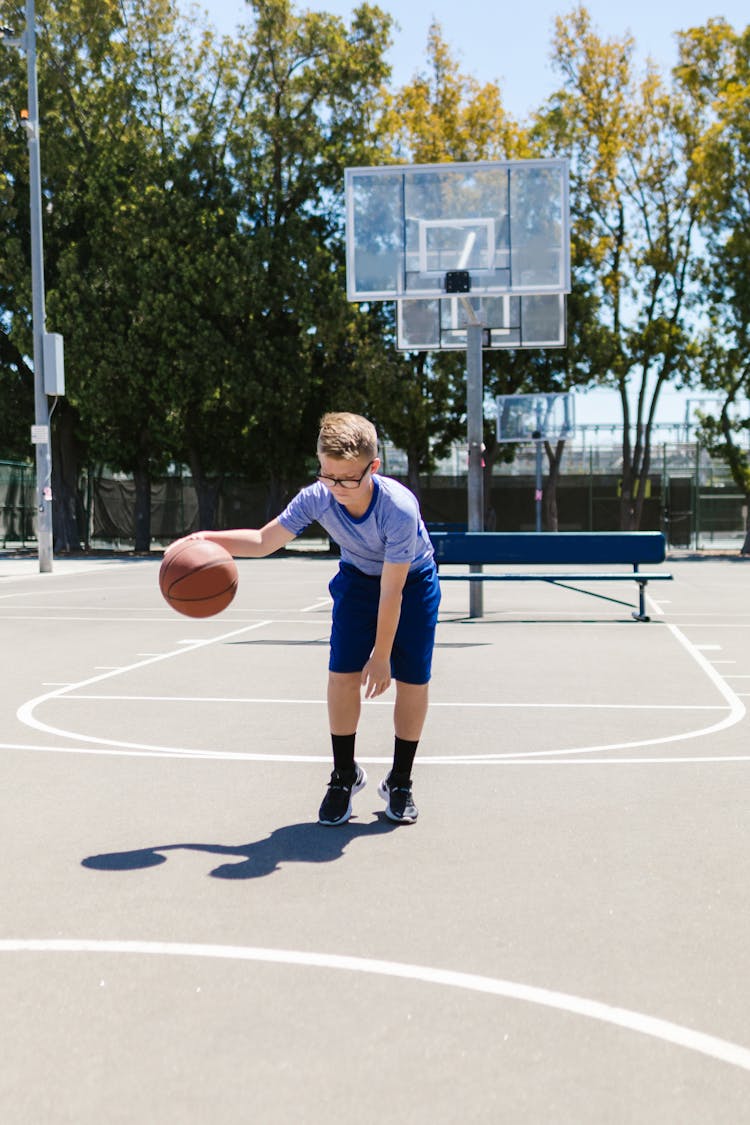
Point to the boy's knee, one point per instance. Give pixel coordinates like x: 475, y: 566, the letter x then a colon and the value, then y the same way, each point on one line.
x: 406, y: 687
x: 345, y: 681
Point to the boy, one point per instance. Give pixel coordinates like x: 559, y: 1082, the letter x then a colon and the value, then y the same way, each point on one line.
x: 385, y: 603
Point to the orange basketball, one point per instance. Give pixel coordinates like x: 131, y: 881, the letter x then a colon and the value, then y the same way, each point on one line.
x: 198, y: 578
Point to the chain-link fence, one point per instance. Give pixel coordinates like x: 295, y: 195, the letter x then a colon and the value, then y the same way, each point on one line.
x: 17, y: 503
x: 689, y: 495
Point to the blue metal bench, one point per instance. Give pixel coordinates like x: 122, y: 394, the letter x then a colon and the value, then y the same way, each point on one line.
x: 555, y: 548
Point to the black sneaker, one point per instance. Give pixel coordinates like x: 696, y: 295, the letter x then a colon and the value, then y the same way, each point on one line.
x: 337, y: 803
x: 395, y: 789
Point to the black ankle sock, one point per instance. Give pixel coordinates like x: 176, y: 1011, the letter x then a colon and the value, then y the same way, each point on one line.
x: 403, y: 755
x: 343, y: 751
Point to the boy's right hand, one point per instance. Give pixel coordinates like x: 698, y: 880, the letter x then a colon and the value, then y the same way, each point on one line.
x: 376, y: 677
x: 183, y: 539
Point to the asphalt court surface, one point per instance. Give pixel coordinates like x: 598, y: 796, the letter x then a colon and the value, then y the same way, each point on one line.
x: 562, y: 937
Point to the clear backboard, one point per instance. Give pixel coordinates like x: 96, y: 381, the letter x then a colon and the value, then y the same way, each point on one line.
x: 532, y: 321
x: 487, y: 228
x: 535, y: 417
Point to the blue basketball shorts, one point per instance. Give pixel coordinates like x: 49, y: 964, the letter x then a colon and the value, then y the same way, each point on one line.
x: 355, y: 614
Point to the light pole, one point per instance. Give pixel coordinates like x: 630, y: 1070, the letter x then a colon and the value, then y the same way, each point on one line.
x: 41, y: 429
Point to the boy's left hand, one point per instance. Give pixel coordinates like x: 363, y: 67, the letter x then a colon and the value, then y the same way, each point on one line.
x: 376, y: 677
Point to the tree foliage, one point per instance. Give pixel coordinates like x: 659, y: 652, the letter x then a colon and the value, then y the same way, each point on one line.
x: 193, y: 226
x: 440, y: 116
x: 714, y: 73
x: 193, y: 231
x: 634, y: 217
x: 306, y: 105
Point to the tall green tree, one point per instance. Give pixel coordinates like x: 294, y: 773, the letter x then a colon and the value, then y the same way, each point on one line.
x: 714, y: 73
x: 16, y: 369
x: 120, y: 86
x: 307, y: 92
x: 193, y: 228
x: 441, y: 115
x: 629, y: 142
x: 132, y: 257
x: 445, y: 115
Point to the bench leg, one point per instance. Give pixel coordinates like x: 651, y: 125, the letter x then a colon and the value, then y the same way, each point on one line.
x: 476, y: 593
x: 641, y: 615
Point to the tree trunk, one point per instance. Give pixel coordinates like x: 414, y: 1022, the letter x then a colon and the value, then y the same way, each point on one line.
x: 736, y: 460
x: 489, y: 457
x: 68, y: 515
x: 412, y: 472
x: 207, y: 492
x: 142, y: 514
x: 276, y: 497
x: 641, y: 483
x: 633, y: 492
x: 628, y: 488
x: 549, y: 501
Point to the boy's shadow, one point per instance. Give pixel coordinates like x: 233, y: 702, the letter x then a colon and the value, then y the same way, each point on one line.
x: 294, y: 843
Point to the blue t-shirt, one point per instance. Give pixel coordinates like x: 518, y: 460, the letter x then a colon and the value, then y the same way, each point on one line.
x: 391, y: 530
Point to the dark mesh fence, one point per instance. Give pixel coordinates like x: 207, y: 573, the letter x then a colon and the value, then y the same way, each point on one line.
x: 698, y: 509
x: 17, y: 503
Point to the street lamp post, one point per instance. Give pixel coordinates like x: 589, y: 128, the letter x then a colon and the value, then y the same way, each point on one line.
x: 41, y: 429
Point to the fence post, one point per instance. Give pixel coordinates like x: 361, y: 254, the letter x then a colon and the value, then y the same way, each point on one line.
x: 697, y: 499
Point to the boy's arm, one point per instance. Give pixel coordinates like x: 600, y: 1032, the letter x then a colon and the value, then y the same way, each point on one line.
x: 376, y: 674
x: 248, y: 542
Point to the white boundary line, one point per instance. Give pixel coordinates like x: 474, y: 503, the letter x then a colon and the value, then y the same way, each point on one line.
x: 270, y: 701
x: 736, y: 712
x: 664, y: 1030
x: 26, y: 712
x: 317, y: 759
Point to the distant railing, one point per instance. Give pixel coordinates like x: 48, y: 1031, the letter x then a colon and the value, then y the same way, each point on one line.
x: 689, y: 496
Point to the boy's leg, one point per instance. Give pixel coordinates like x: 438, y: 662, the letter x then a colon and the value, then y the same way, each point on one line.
x: 410, y: 710
x: 409, y: 715
x: 343, y: 717
x: 344, y: 701
x: 344, y: 704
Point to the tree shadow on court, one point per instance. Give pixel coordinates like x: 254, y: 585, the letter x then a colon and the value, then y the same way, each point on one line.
x: 294, y: 843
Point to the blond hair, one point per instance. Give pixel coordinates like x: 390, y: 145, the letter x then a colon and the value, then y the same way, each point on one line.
x: 347, y: 436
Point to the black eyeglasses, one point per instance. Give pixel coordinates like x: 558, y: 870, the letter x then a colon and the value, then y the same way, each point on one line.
x: 345, y: 482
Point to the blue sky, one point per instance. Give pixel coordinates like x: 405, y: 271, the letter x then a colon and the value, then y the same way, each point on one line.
x: 510, y: 43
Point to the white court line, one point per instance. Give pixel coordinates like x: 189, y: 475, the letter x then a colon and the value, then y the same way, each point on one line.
x: 736, y: 713
x: 325, y: 759
x: 270, y: 701
x: 716, y: 614
x: 56, y: 592
x: 735, y: 707
x: 163, y: 752
x: 86, y: 608
x: 167, y: 615
x: 321, y: 603
x: 714, y: 624
x: 664, y: 1030
x: 26, y: 712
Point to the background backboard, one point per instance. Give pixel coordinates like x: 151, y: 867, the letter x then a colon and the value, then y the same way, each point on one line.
x: 489, y: 228
x: 535, y: 417
x: 532, y: 321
